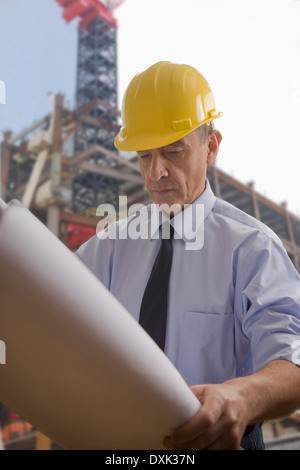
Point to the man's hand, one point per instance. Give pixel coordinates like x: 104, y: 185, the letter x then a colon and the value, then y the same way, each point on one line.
x: 228, y: 408
x: 219, y: 424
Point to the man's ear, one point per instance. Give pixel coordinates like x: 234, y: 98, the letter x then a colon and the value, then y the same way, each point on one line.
x: 214, y: 141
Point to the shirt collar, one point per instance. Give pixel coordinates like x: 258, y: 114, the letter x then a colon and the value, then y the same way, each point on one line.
x: 187, y: 222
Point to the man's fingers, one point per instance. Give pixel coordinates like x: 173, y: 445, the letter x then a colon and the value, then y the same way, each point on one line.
x: 218, y: 437
x: 204, y: 420
x: 225, y: 439
x: 197, y: 433
x: 216, y: 425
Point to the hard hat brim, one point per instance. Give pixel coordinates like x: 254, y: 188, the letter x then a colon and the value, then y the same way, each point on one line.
x: 147, y: 141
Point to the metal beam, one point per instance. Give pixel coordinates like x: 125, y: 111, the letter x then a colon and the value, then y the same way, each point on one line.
x: 34, y: 177
x: 30, y: 129
x: 117, y: 174
x: 81, y: 156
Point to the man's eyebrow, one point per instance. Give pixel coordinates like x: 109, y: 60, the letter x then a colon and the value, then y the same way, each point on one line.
x: 178, y: 143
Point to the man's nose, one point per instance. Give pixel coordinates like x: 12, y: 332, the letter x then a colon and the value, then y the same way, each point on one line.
x: 158, y: 168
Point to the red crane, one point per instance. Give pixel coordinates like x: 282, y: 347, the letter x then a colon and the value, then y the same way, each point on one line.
x: 87, y: 10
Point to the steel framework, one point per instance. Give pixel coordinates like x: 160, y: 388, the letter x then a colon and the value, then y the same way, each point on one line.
x: 96, y: 78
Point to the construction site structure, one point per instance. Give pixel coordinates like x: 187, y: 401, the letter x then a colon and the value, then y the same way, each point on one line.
x: 65, y: 165
x: 39, y: 169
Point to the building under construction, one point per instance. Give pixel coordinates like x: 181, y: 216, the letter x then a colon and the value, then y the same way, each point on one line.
x: 65, y: 165
x: 64, y: 187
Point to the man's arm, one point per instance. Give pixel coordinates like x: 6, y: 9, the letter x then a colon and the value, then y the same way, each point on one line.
x: 229, y: 407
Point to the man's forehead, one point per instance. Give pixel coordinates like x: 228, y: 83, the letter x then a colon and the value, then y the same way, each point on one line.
x: 178, y: 143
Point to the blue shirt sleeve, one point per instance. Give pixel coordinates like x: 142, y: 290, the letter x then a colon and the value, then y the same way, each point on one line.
x: 268, y: 301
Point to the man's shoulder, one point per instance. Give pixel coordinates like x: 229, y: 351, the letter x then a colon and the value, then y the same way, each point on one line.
x: 236, y: 217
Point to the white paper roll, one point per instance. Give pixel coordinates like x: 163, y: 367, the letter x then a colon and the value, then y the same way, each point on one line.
x: 78, y: 366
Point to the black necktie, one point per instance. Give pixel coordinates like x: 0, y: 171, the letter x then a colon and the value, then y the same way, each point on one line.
x: 153, y: 313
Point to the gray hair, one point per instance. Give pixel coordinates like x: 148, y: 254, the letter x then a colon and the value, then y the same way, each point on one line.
x: 205, y: 130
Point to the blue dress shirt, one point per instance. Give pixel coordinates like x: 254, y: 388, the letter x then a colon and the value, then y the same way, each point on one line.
x: 234, y: 296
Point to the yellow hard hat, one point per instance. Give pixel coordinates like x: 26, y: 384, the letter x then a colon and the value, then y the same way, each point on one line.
x: 163, y: 104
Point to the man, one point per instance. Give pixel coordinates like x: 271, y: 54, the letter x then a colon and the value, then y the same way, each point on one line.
x: 233, y: 320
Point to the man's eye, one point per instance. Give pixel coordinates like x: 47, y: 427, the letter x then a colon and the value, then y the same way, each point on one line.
x: 173, y: 152
x: 145, y: 155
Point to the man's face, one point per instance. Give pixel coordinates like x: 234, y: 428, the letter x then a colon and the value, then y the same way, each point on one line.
x: 176, y: 173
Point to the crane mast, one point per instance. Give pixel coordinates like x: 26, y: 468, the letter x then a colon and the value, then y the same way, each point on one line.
x: 96, y: 78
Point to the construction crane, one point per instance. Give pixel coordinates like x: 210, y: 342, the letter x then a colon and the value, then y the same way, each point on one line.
x: 96, y: 78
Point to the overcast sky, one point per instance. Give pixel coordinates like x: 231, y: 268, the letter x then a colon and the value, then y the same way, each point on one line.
x: 249, y: 51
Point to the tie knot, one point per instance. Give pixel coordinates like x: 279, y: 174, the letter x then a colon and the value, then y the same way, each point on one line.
x: 166, y: 231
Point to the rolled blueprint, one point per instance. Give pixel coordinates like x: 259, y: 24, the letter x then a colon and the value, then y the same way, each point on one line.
x: 78, y: 367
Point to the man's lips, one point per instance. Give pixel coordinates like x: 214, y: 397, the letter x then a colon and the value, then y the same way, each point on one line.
x: 161, y: 191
